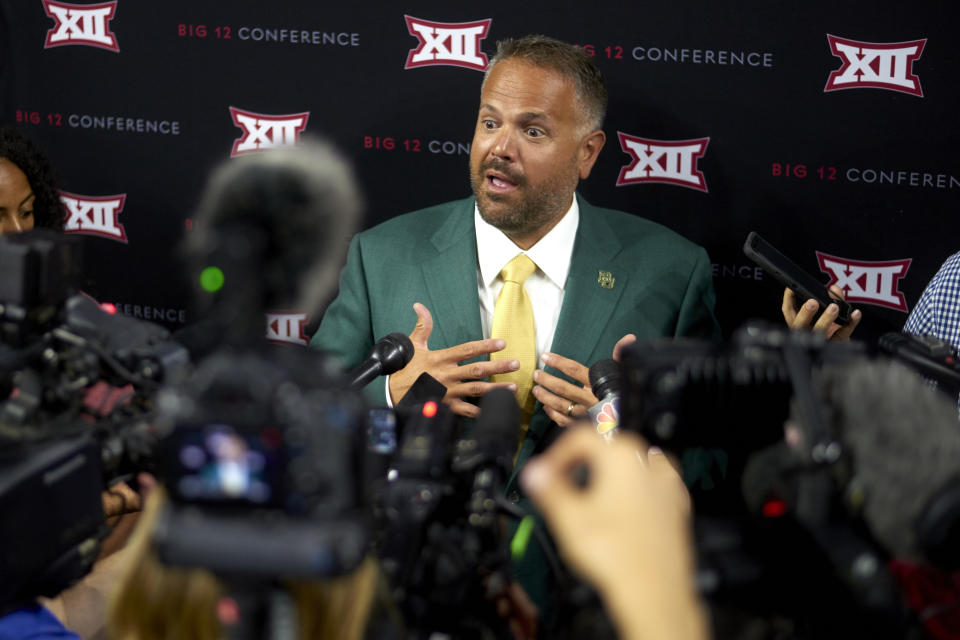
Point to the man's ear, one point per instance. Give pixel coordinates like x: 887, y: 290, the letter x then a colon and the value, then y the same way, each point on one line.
x: 590, y: 148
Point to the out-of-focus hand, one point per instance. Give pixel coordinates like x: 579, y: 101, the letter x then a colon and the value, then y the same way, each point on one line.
x: 120, y: 499
x: 627, y: 531
x: 460, y: 380
x: 121, y: 506
x: 806, y: 316
x: 563, y: 402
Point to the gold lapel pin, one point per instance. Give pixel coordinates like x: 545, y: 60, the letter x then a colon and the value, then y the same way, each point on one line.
x: 606, y: 279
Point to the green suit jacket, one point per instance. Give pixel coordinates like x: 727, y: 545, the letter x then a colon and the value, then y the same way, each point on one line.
x: 661, y: 286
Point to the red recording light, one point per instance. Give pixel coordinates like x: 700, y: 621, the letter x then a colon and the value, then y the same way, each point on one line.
x: 429, y: 409
x: 109, y: 307
x: 228, y: 611
x: 774, y: 508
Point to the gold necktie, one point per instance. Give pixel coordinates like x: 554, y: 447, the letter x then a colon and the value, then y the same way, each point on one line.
x: 513, y: 322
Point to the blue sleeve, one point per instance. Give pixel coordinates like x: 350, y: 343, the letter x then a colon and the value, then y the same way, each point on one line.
x: 33, y: 623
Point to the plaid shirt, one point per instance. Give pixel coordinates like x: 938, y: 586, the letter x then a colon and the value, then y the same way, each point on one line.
x: 937, y: 313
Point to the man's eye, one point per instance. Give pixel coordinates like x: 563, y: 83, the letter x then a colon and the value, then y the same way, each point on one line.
x: 534, y: 133
x: 489, y: 124
x: 26, y: 214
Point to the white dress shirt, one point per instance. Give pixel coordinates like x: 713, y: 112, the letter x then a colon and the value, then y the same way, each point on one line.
x: 545, y: 286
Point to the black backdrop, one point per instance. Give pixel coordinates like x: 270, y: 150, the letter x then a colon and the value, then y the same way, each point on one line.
x: 133, y: 102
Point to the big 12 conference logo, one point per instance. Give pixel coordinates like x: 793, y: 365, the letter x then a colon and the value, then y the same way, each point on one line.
x: 874, y: 283
x: 454, y: 44
x: 287, y: 328
x: 880, y: 65
x: 94, y: 215
x: 262, y: 132
x: 81, y: 24
x: 664, y: 161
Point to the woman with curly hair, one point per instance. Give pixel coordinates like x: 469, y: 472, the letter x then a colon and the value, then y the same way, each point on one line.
x: 28, y: 192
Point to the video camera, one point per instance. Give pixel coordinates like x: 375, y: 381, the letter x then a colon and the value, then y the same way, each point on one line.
x: 262, y: 456
x: 774, y: 517
x: 443, y: 546
x: 79, y: 386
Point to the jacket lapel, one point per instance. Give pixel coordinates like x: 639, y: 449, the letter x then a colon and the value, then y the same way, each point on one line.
x: 450, y: 273
x: 587, y: 305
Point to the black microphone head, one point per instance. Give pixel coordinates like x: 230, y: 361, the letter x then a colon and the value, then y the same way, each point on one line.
x: 497, y: 428
x: 393, y: 352
x: 903, y: 441
x: 272, y: 225
x: 605, y: 378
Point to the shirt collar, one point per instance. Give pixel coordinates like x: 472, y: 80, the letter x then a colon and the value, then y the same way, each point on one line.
x: 551, y: 254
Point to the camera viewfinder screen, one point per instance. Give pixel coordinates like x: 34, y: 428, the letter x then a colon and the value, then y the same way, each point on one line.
x: 218, y: 463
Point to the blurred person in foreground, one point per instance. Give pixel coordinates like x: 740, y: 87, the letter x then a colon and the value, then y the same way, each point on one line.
x: 155, y: 601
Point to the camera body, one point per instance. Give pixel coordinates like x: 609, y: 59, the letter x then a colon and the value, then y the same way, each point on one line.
x: 779, y: 504
x: 262, y: 454
x: 714, y: 405
x: 442, y: 544
x: 53, y: 516
x: 78, y: 387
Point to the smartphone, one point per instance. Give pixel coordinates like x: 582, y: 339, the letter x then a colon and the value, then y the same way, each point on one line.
x: 789, y: 273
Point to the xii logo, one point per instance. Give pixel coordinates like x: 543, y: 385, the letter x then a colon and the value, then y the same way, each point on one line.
x: 664, y: 161
x: 870, y: 282
x: 262, y: 132
x: 94, y: 216
x: 875, y: 64
x: 287, y: 328
x: 442, y: 43
x: 81, y: 24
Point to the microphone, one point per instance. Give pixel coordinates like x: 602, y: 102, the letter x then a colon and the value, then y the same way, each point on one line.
x: 389, y: 355
x: 489, y: 455
x: 497, y: 427
x: 929, y: 355
x: 605, y: 383
x: 269, y: 236
x: 901, y: 440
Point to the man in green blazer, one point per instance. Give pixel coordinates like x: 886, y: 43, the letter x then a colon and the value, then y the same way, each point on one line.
x: 603, y: 276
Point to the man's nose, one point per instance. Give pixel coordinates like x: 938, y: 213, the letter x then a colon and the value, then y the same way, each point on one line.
x: 504, y: 146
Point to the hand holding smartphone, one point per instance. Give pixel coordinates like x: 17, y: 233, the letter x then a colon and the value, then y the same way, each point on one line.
x: 789, y: 273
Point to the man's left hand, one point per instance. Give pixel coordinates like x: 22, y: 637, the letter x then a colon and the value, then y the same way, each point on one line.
x: 564, y: 402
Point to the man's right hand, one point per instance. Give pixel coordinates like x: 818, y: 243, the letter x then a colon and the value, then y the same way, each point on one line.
x: 460, y: 380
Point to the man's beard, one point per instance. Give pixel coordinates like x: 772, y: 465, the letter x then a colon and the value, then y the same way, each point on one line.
x: 536, y: 206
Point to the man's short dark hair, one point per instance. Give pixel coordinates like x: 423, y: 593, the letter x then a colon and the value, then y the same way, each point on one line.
x: 570, y: 61
x: 23, y: 152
